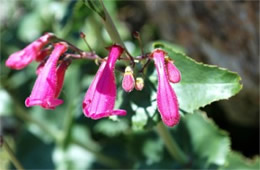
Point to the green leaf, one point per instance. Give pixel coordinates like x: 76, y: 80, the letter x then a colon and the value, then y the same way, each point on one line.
x: 205, y: 144
x: 237, y: 161
x: 201, y: 84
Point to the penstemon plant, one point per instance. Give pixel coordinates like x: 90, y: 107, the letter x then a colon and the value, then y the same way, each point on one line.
x: 157, y: 92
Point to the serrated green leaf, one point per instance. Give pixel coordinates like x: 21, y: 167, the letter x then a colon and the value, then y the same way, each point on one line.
x: 201, y: 84
x: 205, y: 144
x: 237, y: 161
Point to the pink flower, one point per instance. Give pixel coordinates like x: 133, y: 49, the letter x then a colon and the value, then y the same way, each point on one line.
x: 100, y: 98
x: 166, y: 97
x: 22, y: 58
x: 50, y: 80
x: 128, y: 82
x: 173, y: 73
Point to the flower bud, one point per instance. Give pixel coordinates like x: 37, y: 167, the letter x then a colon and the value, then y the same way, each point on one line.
x: 128, y: 82
x: 139, y: 83
x: 174, y: 74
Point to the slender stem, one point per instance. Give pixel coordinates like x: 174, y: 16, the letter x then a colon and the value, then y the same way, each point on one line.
x: 84, y: 39
x: 83, y: 55
x: 138, y: 37
x: 108, y: 161
x: 12, y: 157
x: 112, y: 31
x: 171, y: 145
x: 145, y: 65
x: 110, y: 27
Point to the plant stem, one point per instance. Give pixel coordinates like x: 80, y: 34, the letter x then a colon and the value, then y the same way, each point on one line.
x: 110, y: 27
x: 12, y: 157
x: 171, y: 144
x: 108, y: 161
x: 112, y: 31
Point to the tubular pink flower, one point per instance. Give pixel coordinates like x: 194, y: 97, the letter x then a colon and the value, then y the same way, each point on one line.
x: 49, y: 82
x: 22, y: 58
x: 166, y: 97
x: 99, y: 100
x: 173, y: 72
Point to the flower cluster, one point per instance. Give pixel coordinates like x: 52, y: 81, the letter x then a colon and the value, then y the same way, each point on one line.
x: 100, y: 97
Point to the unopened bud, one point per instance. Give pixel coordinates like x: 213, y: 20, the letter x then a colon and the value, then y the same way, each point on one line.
x: 128, y: 82
x: 136, y: 34
x: 174, y: 74
x: 82, y: 35
x: 139, y: 83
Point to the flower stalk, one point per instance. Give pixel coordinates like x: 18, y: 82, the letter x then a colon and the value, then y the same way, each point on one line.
x: 112, y: 31
x: 12, y: 157
x: 171, y: 145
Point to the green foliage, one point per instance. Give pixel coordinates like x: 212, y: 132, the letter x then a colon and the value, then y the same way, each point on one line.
x: 237, y: 161
x: 206, y: 145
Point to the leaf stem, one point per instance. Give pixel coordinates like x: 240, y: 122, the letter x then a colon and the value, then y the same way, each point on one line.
x: 12, y: 157
x: 171, y: 145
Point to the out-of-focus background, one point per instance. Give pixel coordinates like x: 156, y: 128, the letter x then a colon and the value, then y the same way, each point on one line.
x: 223, y: 33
